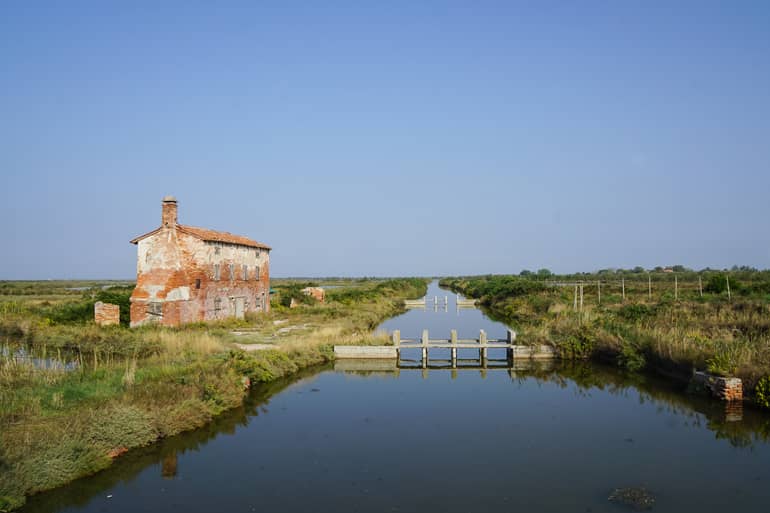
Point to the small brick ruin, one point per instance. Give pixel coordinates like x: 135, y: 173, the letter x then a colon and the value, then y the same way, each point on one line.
x: 726, y: 389
x: 106, y: 314
x: 317, y: 293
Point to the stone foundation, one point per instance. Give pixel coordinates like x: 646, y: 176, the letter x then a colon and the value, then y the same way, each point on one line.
x: 106, y: 314
x: 726, y: 389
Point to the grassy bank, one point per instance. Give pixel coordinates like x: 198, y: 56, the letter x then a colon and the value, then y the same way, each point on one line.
x: 74, y: 396
x: 668, y: 322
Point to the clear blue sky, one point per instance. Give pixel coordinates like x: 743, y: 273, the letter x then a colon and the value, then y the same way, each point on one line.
x: 387, y: 138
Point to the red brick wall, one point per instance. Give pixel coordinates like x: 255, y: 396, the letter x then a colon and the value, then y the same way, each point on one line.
x: 106, y: 314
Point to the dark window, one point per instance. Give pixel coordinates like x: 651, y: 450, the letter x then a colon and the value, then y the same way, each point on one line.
x: 155, y: 309
x: 216, y: 250
x: 256, y: 269
x: 245, y: 272
x: 232, y: 272
x: 216, y: 272
x: 198, y: 283
x: 217, y: 304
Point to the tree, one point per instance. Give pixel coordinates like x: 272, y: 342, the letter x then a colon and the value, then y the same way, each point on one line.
x: 525, y: 272
x: 544, y: 273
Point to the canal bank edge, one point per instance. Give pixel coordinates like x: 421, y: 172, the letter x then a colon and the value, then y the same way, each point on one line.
x: 584, y: 345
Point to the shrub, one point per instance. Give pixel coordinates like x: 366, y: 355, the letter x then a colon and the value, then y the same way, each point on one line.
x: 716, y: 284
x: 762, y: 392
x: 635, y: 313
x: 631, y: 358
x: 580, y: 344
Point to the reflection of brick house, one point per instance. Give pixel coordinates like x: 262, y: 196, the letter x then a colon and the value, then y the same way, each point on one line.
x: 188, y: 274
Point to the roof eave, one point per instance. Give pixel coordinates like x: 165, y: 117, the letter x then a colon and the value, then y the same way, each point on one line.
x: 148, y: 234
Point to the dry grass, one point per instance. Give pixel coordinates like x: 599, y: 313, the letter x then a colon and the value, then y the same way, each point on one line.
x: 175, y: 344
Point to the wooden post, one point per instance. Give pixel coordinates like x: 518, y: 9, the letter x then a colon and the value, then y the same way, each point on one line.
x: 424, y: 340
x: 649, y: 286
x: 676, y: 288
x: 574, y: 305
x: 453, y: 337
x: 700, y: 285
x: 511, y: 336
x: 483, y: 346
x: 581, y: 297
x: 599, y: 291
x: 623, y: 285
x: 729, y: 295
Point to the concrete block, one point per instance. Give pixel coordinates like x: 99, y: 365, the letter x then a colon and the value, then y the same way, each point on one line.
x: 365, y: 352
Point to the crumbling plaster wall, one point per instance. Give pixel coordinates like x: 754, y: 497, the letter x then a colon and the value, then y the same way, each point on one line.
x: 179, y: 272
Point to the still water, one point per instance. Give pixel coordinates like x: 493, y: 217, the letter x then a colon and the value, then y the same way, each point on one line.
x: 544, y: 437
x: 440, y: 318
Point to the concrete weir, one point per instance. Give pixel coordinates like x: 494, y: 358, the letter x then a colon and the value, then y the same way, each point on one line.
x: 425, y: 343
x: 365, y: 352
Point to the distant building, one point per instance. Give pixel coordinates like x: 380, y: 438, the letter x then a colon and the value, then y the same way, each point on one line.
x: 187, y: 274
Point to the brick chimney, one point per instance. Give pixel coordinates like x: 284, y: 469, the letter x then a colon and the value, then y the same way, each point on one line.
x: 168, y: 219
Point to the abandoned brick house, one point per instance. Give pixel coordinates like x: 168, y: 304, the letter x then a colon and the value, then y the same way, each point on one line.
x: 188, y: 274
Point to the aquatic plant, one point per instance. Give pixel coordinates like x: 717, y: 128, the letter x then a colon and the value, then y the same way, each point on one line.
x: 762, y: 392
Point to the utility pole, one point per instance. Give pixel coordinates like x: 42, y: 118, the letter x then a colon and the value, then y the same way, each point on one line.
x: 676, y: 288
x: 729, y: 296
x: 623, y: 285
x: 599, y: 290
x: 700, y: 285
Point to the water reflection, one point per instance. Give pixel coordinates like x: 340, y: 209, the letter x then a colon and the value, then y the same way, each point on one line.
x: 555, y: 435
x: 57, y: 360
x: 442, y: 313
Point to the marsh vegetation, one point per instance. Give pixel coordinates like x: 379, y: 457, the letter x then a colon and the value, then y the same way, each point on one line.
x: 130, y: 387
x: 666, y: 321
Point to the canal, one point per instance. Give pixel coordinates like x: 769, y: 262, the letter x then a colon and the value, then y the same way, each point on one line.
x: 546, y: 437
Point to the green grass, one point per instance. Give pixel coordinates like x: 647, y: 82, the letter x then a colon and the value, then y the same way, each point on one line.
x: 673, y: 329
x: 132, y: 387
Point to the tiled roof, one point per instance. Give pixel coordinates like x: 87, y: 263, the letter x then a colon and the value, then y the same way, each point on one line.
x: 226, y: 237
x: 211, y: 236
